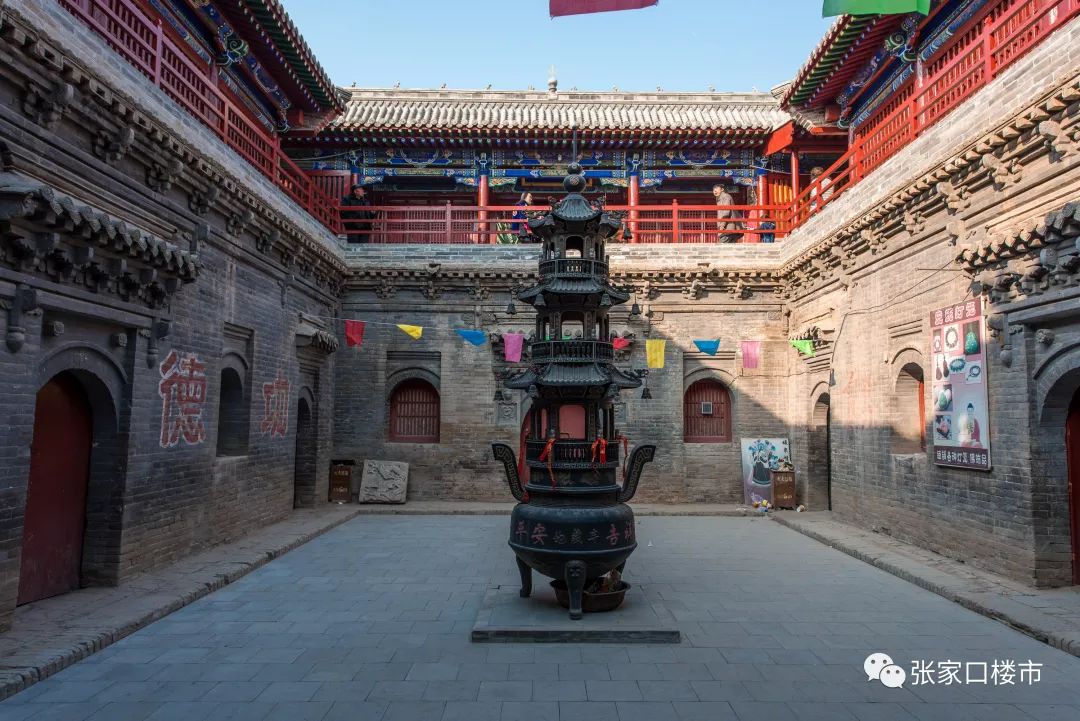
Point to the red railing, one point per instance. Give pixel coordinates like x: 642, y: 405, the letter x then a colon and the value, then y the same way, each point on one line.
x: 976, y: 56
x: 491, y: 224
x: 143, y: 42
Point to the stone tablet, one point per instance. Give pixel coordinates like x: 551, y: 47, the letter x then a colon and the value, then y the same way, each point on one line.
x: 384, y: 482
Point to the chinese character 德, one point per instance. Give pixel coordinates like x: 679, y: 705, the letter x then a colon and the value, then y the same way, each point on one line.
x: 183, y: 394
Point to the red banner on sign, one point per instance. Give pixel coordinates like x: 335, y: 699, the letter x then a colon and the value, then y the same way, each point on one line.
x: 581, y: 7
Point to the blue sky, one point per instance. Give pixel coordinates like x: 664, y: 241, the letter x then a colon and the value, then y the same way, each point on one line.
x: 679, y: 45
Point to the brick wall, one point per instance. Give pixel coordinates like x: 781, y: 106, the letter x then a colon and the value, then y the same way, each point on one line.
x: 149, y: 503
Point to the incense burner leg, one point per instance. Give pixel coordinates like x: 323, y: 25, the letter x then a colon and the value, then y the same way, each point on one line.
x: 526, y: 578
x: 575, y: 586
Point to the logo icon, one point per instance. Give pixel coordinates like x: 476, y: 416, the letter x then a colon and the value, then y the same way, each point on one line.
x: 880, y: 667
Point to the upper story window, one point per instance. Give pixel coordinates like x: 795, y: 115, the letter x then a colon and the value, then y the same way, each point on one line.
x: 707, y: 413
x: 414, y: 412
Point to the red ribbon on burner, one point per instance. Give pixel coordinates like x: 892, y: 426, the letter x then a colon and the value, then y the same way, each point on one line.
x: 547, y: 455
x: 601, y: 445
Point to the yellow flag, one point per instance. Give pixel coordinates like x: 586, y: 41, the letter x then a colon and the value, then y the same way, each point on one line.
x: 654, y: 352
x: 414, y: 331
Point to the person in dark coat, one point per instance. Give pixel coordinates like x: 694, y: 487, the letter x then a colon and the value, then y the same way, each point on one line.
x: 358, y: 232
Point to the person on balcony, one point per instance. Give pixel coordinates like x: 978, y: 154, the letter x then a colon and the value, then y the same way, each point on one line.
x: 724, y: 198
x: 358, y: 232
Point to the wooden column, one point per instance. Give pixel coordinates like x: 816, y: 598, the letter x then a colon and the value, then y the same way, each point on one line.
x: 483, y: 199
x: 632, y: 197
x: 794, y: 175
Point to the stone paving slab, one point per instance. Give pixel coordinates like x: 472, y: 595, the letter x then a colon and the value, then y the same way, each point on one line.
x: 54, y: 633
x: 1049, y: 615
x: 372, y: 621
x: 505, y: 617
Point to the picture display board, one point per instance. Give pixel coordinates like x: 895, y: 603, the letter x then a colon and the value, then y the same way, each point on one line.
x: 958, y: 398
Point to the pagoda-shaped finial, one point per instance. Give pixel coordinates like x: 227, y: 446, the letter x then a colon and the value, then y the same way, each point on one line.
x: 553, y: 82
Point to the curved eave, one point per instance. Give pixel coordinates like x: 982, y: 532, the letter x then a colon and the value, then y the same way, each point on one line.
x: 295, y: 55
x: 338, y: 135
x: 575, y: 287
x: 829, y: 54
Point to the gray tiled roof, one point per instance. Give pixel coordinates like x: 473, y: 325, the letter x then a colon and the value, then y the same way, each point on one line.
x: 494, y: 109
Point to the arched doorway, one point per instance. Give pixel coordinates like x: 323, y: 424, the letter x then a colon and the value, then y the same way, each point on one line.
x: 819, y: 477
x: 305, y: 458
x: 1072, y: 450
x: 54, y: 521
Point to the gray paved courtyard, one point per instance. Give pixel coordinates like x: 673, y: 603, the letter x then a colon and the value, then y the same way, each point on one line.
x: 372, y: 621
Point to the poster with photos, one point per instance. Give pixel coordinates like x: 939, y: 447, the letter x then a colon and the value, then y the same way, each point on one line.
x: 959, y: 414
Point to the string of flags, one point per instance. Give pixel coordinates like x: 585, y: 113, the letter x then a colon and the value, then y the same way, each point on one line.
x: 514, y: 343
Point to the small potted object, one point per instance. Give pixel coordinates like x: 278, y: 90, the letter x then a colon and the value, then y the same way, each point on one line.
x: 604, y: 594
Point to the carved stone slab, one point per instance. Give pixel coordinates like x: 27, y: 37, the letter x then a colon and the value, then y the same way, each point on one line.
x: 384, y: 482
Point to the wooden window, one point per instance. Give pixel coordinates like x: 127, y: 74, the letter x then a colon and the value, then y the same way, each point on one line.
x: 707, y: 413
x: 414, y: 413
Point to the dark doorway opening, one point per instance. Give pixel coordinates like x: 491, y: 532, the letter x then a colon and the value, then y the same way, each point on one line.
x: 305, y: 458
x: 819, y: 479
x: 54, y: 521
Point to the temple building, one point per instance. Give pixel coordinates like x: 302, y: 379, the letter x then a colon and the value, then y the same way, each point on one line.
x: 178, y: 262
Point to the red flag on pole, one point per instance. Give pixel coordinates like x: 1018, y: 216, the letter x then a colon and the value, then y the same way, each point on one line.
x: 354, y: 332
x: 581, y: 7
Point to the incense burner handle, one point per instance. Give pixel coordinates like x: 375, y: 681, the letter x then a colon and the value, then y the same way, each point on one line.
x: 638, y: 458
x: 505, y: 454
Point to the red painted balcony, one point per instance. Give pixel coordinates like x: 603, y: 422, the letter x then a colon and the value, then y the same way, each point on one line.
x: 977, y: 55
x: 142, y: 41
x: 504, y: 224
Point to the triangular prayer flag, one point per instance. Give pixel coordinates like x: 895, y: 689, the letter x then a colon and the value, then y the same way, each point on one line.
x: 708, y: 346
x: 476, y: 337
x: 354, y: 333
x: 512, y: 343
x: 414, y: 331
x: 620, y: 343
x: 654, y: 352
x: 751, y: 353
x: 806, y: 347
x: 874, y: 7
x: 559, y: 8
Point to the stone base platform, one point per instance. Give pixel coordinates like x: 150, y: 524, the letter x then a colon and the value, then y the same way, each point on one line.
x: 505, y: 617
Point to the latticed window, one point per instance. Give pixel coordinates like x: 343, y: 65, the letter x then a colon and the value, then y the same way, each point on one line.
x: 707, y: 413
x: 414, y: 413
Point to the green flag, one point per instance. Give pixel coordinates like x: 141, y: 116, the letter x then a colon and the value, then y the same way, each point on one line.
x: 806, y: 347
x: 874, y: 7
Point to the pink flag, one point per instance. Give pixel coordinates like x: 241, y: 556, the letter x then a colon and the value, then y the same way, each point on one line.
x: 580, y: 7
x: 619, y: 343
x: 512, y: 343
x: 751, y: 353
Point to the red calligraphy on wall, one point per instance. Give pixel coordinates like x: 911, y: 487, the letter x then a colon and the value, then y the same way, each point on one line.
x: 183, y: 395
x: 275, y: 420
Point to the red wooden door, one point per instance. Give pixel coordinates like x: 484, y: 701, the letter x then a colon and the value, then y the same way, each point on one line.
x: 56, y: 494
x: 1072, y: 450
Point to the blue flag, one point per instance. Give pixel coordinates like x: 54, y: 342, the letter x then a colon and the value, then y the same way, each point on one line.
x: 708, y: 346
x: 476, y: 337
